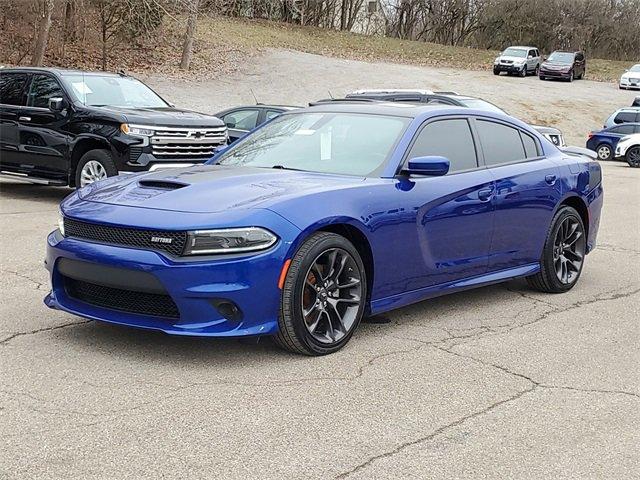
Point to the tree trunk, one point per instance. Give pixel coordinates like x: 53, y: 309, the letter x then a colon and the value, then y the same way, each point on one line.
x: 187, y: 47
x: 70, y: 24
x: 43, y: 34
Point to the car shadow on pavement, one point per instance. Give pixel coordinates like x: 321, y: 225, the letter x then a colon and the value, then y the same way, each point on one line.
x: 159, y: 348
x: 27, y: 191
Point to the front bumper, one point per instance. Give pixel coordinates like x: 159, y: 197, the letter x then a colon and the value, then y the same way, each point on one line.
x: 555, y: 74
x: 510, y: 68
x: 198, y: 287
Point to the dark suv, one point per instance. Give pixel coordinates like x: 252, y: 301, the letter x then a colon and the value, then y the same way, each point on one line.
x: 564, y: 65
x: 68, y: 127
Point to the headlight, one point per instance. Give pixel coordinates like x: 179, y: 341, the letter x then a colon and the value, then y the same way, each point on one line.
x: 61, y: 223
x: 496, y: 61
x: 229, y: 240
x: 519, y: 63
x: 136, y: 130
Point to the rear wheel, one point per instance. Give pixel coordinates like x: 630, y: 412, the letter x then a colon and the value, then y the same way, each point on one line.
x: 604, y: 152
x: 633, y: 157
x: 563, y: 253
x: 93, y: 166
x: 323, y: 297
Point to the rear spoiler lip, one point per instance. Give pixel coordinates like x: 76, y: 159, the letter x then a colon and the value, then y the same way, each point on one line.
x: 579, y: 151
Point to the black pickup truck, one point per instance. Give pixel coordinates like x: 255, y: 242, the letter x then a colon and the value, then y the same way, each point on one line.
x: 70, y: 127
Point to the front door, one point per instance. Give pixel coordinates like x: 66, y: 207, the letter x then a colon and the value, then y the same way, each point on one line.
x: 527, y: 191
x: 43, y: 140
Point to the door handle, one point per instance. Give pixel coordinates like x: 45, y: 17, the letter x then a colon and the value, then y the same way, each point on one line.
x: 24, y: 119
x: 485, y: 194
x: 550, y: 179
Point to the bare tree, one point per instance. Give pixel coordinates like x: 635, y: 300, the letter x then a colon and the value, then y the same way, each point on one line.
x: 44, y: 25
x: 187, y: 46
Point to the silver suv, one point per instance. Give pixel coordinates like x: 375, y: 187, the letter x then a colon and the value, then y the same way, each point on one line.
x: 518, y: 60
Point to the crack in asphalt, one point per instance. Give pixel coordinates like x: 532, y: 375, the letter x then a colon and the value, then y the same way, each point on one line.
x: 38, y: 284
x: 433, y: 434
x: 6, y: 340
x: 607, y: 247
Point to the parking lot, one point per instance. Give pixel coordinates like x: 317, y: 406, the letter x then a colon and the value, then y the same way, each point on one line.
x: 499, y: 382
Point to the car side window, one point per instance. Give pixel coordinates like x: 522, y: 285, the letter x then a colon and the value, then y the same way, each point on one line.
x: 625, y: 117
x: 447, y: 138
x: 11, y: 87
x: 636, y: 129
x: 532, y: 53
x: 242, y: 119
x: 271, y: 114
x: 624, y: 129
x: 43, y: 88
x: 530, y: 145
x: 500, y: 143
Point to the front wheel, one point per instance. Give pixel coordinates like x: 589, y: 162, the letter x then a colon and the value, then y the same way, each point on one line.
x: 633, y: 157
x: 323, y: 296
x: 523, y: 73
x: 93, y: 166
x: 563, y: 253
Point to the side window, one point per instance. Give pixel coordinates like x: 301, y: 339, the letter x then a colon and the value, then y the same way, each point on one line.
x: 449, y: 138
x: 623, y: 129
x: 532, y: 53
x: 625, y: 117
x: 242, y: 119
x: 271, y: 114
x: 530, y: 145
x: 43, y: 87
x: 500, y: 143
x: 11, y: 86
x: 636, y: 129
x: 579, y: 57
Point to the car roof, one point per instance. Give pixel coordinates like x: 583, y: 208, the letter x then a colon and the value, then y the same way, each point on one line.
x: 384, y: 91
x: 520, y: 47
x: 409, y: 110
x: 627, y: 109
x: 61, y: 71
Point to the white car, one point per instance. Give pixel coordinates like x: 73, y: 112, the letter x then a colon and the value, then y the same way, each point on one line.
x: 631, y: 78
x: 518, y: 60
x: 628, y: 149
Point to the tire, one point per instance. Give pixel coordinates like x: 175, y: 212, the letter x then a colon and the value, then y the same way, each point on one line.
x: 523, y: 73
x: 94, y: 164
x: 548, y: 279
x: 633, y: 157
x: 496, y: 72
x: 308, y: 286
x: 541, y: 77
x: 571, y: 77
x: 536, y: 72
x: 605, y: 152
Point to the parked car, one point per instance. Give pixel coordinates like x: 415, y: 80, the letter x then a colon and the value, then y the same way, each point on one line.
x: 604, y: 141
x: 241, y: 120
x: 564, y: 65
x: 518, y: 60
x: 446, y: 98
x: 70, y: 127
x: 294, y: 230
x: 631, y: 78
x: 623, y: 115
x: 628, y: 149
x: 636, y: 102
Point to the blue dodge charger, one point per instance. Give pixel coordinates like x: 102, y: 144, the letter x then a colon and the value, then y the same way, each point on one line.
x: 322, y: 216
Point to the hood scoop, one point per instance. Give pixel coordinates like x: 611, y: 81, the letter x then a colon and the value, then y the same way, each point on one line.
x: 162, y: 184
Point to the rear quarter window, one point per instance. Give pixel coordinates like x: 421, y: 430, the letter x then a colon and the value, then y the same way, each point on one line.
x: 500, y: 143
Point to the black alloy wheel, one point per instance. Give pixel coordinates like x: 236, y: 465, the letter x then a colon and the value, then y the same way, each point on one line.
x: 633, y: 157
x: 563, y: 255
x: 323, y: 297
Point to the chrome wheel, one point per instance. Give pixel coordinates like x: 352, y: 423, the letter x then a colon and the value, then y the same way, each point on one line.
x: 568, y: 250
x: 604, y: 152
x: 331, y: 296
x: 92, y: 171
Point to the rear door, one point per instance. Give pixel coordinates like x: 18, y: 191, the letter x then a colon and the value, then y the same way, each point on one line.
x: 12, y: 99
x: 527, y: 191
x: 532, y: 60
x: 43, y: 139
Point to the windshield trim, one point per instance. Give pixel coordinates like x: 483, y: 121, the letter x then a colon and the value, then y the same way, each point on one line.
x: 373, y: 174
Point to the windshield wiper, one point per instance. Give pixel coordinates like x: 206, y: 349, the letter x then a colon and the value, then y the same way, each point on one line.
x: 282, y: 167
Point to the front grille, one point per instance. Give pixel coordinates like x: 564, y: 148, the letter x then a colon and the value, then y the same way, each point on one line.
x: 143, y: 303
x: 189, y: 143
x: 172, y: 242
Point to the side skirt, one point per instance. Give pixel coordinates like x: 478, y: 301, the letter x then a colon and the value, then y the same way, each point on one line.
x: 402, y: 299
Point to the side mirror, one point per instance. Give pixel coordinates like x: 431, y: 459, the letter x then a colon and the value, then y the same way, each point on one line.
x: 544, y: 58
x: 434, y: 166
x: 230, y: 124
x: 57, y: 104
x: 530, y: 57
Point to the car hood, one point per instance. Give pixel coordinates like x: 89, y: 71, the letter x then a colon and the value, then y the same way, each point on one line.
x: 512, y: 59
x: 165, y: 116
x: 544, y: 129
x: 556, y: 65
x: 212, y: 188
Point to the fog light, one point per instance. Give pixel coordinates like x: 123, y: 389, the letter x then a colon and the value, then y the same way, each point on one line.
x: 227, y: 309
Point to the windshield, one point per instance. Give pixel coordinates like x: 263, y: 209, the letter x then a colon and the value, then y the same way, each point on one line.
x: 561, y: 57
x: 340, y: 143
x: 481, y: 105
x: 515, y: 52
x: 635, y: 68
x: 108, y: 90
